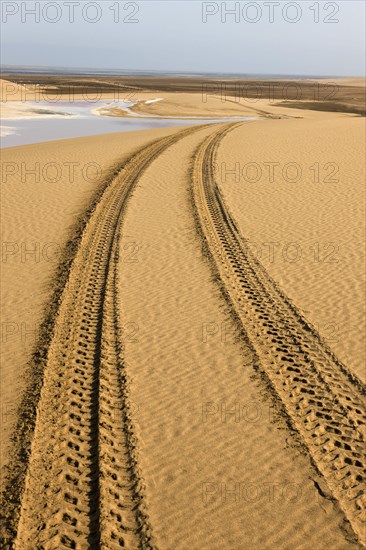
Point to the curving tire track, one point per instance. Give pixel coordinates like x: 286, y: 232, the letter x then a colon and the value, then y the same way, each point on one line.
x: 324, y: 402
x: 83, y: 488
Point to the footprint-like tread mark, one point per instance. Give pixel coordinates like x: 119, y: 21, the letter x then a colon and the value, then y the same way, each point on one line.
x: 83, y: 488
x: 324, y: 401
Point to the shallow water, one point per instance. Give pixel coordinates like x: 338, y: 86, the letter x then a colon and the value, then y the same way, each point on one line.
x: 25, y: 123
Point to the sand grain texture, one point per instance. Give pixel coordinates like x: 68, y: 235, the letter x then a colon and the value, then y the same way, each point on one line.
x: 191, y: 463
x: 189, y: 396
x: 308, y: 231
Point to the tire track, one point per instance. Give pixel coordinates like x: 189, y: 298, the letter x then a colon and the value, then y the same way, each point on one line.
x: 324, y: 402
x: 83, y: 488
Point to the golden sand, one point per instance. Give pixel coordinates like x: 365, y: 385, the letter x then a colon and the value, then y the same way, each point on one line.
x: 214, y: 454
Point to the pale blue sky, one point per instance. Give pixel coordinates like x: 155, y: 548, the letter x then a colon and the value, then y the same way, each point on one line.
x: 171, y: 35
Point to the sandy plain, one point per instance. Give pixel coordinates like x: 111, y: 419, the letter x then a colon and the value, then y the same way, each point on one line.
x: 168, y: 379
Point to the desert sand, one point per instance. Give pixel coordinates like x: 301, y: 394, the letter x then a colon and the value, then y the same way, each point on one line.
x: 169, y: 380
x: 301, y: 206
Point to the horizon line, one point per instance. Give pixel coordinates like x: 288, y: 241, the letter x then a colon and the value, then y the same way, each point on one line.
x: 147, y: 72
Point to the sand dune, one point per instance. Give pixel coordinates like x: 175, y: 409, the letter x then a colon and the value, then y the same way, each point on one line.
x: 184, y: 352
x: 307, y: 231
x: 41, y: 210
x: 164, y: 384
